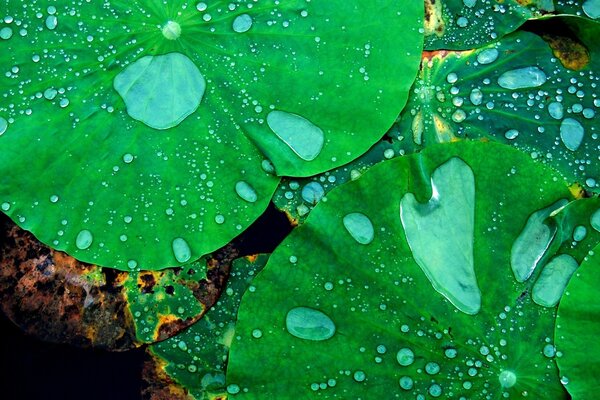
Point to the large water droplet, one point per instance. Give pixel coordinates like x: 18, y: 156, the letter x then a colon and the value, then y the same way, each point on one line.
x: 571, y: 133
x: 406, y: 382
x: 161, y: 91
x: 6, y: 33
x: 84, y: 239
x: 591, y: 8
x: 595, y: 220
x: 507, y: 379
x: 3, y: 126
x: 440, y: 234
x: 533, y: 242
x: 522, y: 78
x: 246, y: 192
x: 487, y: 56
x: 242, y: 23
x: 51, y: 22
x: 405, y: 357
x: 181, y: 250
x: 313, y: 192
x: 360, y: 227
x: 555, y: 109
x: 310, y: 324
x: 171, y: 30
x: 302, y: 136
x: 553, y: 280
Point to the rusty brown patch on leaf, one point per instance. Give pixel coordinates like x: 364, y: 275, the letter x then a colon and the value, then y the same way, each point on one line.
x: 157, y: 384
x: 571, y: 53
x: 434, y: 20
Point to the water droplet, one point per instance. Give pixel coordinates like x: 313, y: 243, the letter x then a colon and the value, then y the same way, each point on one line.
x: 507, y: 379
x: 571, y: 133
x: 487, y: 56
x: 462, y: 22
x: 219, y: 219
x: 452, y: 77
x: 432, y: 368
x: 476, y: 97
x: 555, y: 109
x: 446, y: 260
x: 171, y: 30
x: 51, y: 22
x: 549, y: 351
x: 310, y: 324
x: 359, y: 376
x: 201, y: 6
x: 591, y: 8
x: 360, y: 227
x: 595, y: 220
x: 84, y: 239
x: 242, y: 23
x: 553, y: 280
x: 435, y: 390
x: 246, y: 192
x: 405, y: 357
x: 522, y: 78
x: 313, y: 192
x: 53, y: 198
x: 181, y: 89
x: 533, y: 242
x: 127, y: 158
x: 469, y: 3
x: 5, y: 206
x: 3, y: 126
x: 181, y: 250
x: 302, y: 136
x: 132, y: 264
x: 511, y: 134
x: 257, y: 333
x: 451, y: 353
x: 406, y: 382
x: 233, y: 389
x: 6, y: 33
x: 579, y: 233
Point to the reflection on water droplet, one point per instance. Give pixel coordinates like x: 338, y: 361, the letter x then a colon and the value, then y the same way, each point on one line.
x: 487, y: 56
x: 171, y: 30
x: 302, y: 136
x: 313, y: 192
x: 446, y: 260
x: 507, y: 379
x: 309, y: 324
x: 571, y: 133
x: 405, y: 357
x: 533, y: 242
x: 242, y: 23
x: 84, y: 239
x: 246, y: 192
x: 3, y: 126
x: 591, y: 8
x: 553, y: 280
x: 181, y: 250
x: 522, y: 78
x: 181, y: 87
x: 360, y: 227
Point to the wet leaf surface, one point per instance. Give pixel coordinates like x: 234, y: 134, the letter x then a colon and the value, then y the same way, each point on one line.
x: 379, y: 320
x: 150, y: 122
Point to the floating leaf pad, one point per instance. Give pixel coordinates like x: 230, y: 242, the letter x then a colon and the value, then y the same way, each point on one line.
x: 132, y: 132
x: 395, y: 335
x: 577, y: 330
x: 466, y: 24
x: 196, y: 358
x: 518, y: 92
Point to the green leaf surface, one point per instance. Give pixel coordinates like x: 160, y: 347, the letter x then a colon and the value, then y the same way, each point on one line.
x: 196, y: 358
x: 133, y: 133
x: 468, y: 24
x: 516, y: 91
x: 584, y: 8
x: 577, y: 329
x: 399, y: 329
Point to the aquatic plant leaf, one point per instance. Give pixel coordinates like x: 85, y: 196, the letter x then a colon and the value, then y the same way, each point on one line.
x: 516, y: 91
x: 133, y: 133
x: 396, y: 334
x: 196, y: 358
x: 584, y: 8
x: 468, y: 24
x: 577, y: 330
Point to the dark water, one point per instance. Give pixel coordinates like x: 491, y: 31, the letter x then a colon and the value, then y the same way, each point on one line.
x: 34, y: 370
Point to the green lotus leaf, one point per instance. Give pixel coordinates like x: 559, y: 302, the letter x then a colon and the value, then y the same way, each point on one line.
x: 136, y: 135
x: 577, y: 329
x: 467, y: 24
x: 583, y: 8
x: 196, y: 358
x: 416, y: 297
x: 516, y: 91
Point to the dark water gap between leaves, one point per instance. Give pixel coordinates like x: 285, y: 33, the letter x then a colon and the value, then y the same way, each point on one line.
x: 32, y: 369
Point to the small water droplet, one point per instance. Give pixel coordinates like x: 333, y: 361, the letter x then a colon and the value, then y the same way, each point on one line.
x: 5, y: 206
x: 309, y: 324
x: 435, y: 390
x: 511, y: 134
x: 405, y: 357
x: 303, y: 137
x: 359, y: 376
x: 127, y: 158
x: 579, y: 233
x: 257, y: 333
x: 181, y: 250
x: 242, y: 23
x: 406, y: 382
x: 3, y: 126
x: 219, y: 219
x: 555, y: 109
x: 132, y: 264
x: 432, y: 368
x: 522, y: 78
x: 476, y: 97
x: 549, y: 351
x: 51, y: 22
x: 84, y: 239
x: 53, y: 198
x: 507, y: 379
x: 313, y: 192
x: 233, y: 389
x: 487, y: 56
x: 6, y: 33
x: 246, y: 192
x: 571, y: 133
x: 360, y: 227
x: 171, y: 30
